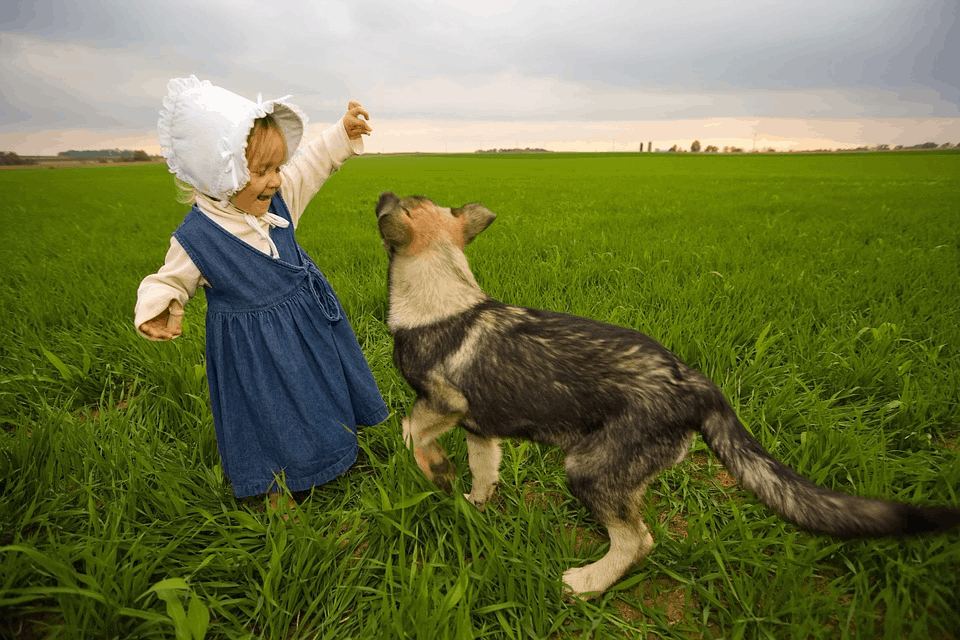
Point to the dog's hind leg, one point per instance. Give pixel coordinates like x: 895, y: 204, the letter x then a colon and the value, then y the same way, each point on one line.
x: 618, y: 508
x: 484, y: 456
x: 420, y: 430
x: 630, y: 542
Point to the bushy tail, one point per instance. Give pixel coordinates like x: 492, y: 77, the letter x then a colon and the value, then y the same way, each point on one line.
x: 812, y: 507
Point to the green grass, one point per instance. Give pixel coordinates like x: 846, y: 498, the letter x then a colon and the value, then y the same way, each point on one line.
x: 822, y: 293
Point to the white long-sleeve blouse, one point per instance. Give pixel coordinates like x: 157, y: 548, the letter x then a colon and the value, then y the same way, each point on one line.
x: 179, y: 279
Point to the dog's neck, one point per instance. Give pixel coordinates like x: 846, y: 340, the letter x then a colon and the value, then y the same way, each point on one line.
x: 430, y: 287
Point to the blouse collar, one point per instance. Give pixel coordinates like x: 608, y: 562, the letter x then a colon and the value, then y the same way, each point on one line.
x: 226, y: 209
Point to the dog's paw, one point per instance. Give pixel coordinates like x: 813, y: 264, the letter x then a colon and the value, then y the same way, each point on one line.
x: 479, y: 504
x: 584, y: 583
x: 443, y: 474
x: 480, y: 493
x: 406, y: 430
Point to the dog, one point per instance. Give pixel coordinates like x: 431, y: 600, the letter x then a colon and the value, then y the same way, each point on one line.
x: 620, y: 405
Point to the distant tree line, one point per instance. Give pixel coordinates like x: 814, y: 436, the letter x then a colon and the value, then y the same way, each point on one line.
x: 925, y: 145
x: 527, y: 150
x: 696, y: 148
x: 97, y: 153
x: 9, y: 158
x: 120, y: 154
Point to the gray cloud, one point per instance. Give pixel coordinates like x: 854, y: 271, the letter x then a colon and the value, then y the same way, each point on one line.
x: 104, y: 63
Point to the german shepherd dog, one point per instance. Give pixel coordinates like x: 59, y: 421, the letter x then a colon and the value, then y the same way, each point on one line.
x: 621, y: 406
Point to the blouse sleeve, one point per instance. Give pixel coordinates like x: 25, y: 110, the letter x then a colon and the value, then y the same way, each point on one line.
x: 318, y: 159
x: 178, y: 279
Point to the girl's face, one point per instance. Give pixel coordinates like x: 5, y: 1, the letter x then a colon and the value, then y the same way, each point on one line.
x: 263, y: 160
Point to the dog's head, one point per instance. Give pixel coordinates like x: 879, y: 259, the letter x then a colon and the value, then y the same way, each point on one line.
x: 413, y: 225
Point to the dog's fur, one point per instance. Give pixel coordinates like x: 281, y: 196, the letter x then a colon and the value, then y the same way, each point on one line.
x: 621, y: 406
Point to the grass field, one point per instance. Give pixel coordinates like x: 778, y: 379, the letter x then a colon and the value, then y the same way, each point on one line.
x: 822, y: 293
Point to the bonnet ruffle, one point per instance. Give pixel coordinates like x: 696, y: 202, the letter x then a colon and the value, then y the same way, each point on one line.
x: 203, y: 132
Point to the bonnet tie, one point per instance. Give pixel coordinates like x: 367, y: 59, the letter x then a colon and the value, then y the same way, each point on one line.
x: 272, y: 221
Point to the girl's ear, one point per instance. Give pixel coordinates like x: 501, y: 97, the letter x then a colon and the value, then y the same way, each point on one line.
x: 478, y: 218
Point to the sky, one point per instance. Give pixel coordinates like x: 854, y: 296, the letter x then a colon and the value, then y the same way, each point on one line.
x: 459, y: 76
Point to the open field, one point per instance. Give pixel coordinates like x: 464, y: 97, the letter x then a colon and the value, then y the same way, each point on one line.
x: 822, y: 293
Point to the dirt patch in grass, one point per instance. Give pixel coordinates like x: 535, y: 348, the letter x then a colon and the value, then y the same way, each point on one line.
x: 667, y: 596
x: 952, y: 445
x: 703, y: 461
x: 536, y: 495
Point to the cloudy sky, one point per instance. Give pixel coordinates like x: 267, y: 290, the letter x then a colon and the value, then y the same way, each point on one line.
x: 464, y: 75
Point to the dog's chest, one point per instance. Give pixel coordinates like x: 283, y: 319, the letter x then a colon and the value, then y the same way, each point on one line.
x: 418, y: 350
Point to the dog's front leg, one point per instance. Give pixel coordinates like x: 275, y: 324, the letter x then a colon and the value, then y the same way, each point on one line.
x: 484, y: 454
x: 420, y: 431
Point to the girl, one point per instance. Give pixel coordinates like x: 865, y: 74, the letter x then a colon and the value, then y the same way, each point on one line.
x: 288, y: 381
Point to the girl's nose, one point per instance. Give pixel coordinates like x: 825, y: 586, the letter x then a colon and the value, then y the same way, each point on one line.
x: 275, y: 180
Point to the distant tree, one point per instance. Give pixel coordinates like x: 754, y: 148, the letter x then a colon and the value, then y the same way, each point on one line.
x: 928, y: 145
x: 137, y: 156
x: 882, y: 147
x: 946, y: 145
x: 898, y: 147
x: 695, y: 147
x: 672, y: 149
x: 710, y: 149
x: 10, y: 158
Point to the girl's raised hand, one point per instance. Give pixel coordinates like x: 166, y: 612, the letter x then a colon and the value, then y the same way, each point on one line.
x: 166, y: 325
x: 353, y: 123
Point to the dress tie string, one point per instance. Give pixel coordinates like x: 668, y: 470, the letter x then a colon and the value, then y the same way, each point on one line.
x: 323, y: 294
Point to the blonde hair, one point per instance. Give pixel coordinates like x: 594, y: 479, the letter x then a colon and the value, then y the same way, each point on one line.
x: 260, y: 144
x: 186, y: 192
x: 265, y: 138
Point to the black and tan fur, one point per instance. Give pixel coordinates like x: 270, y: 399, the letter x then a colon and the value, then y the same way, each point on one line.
x: 621, y: 405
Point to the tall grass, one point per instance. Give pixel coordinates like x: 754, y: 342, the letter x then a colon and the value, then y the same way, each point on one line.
x: 821, y: 293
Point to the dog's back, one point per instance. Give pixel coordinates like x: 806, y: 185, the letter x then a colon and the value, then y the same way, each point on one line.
x: 555, y: 378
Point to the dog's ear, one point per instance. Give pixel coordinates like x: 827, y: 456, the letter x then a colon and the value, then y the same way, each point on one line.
x: 478, y: 218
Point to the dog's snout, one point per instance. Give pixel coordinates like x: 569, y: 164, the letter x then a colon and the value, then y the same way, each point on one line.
x: 387, y: 201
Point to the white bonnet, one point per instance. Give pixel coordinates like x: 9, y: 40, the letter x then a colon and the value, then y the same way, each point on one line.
x: 203, y: 133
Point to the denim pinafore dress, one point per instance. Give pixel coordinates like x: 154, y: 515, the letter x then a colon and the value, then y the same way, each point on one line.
x: 288, y: 381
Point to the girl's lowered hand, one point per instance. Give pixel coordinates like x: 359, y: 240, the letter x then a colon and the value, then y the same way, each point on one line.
x: 166, y: 325
x: 353, y: 123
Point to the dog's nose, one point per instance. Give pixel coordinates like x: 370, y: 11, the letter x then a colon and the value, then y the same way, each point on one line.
x: 388, y: 200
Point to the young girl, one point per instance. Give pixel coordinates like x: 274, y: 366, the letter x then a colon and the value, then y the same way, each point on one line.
x: 288, y: 381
